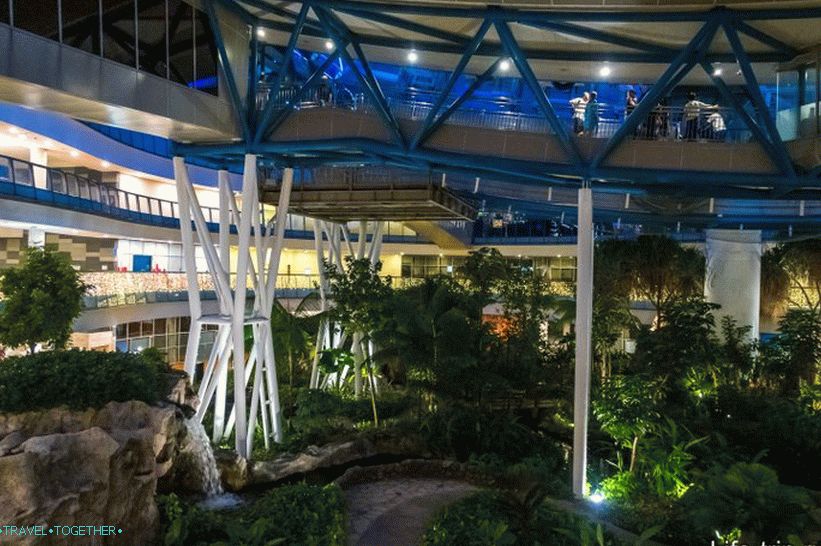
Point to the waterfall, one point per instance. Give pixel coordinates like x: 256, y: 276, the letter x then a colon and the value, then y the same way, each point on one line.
x: 203, y: 456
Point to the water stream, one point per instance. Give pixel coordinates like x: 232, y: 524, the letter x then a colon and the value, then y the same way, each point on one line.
x: 203, y: 456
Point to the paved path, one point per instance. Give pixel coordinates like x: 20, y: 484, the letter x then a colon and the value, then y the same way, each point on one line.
x: 397, y: 512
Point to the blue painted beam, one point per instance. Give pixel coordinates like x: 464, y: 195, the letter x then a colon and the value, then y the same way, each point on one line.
x: 766, y: 39
x: 265, y: 117
x: 759, y: 135
x: 519, y: 59
x: 680, y: 66
x: 512, y: 15
x: 495, y: 50
x: 309, y: 84
x: 483, y: 78
x: 454, y: 77
x: 601, y: 36
x: 405, y: 24
x: 367, y: 81
x: 784, y: 162
x: 227, y: 72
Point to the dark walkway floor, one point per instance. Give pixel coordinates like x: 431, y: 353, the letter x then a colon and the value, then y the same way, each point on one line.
x: 397, y: 512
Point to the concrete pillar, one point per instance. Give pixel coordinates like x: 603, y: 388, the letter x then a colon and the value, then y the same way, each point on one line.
x: 733, y: 275
x: 37, y: 237
x: 584, y: 326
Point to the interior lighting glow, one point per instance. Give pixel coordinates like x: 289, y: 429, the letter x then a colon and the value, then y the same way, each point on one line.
x: 717, y: 71
x: 413, y: 56
x: 504, y: 66
x: 14, y: 130
x: 105, y: 164
x: 604, y: 71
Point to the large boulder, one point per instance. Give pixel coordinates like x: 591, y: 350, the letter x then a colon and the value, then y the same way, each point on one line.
x: 94, y: 467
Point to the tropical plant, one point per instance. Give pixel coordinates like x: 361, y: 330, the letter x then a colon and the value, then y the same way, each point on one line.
x: 359, y: 296
x: 667, y: 459
x: 791, y: 276
x: 290, y: 338
x: 748, y: 497
x: 627, y: 410
x: 794, y: 356
x: 41, y: 299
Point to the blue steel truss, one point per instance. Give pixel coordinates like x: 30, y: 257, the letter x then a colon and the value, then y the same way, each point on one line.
x: 409, y: 151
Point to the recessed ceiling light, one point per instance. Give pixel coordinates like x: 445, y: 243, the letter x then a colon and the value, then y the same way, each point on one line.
x: 413, y: 56
x: 329, y: 45
x: 105, y: 164
x: 717, y: 71
x: 74, y: 153
x: 260, y: 33
x: 604, y: 71
x: 504, y: 66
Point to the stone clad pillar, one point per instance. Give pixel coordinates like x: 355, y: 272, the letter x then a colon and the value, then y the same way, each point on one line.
x: 733, y: 275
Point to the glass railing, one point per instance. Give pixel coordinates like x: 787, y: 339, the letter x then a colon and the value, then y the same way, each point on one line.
x: 668, y: 123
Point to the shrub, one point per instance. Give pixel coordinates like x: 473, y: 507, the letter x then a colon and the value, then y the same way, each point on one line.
x: 77, y: 379
x: 490, y: 518
x: 747, y: 497
x: 294, y: 514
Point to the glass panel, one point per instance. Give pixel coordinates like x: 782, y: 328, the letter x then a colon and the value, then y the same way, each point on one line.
x: 95, y: 192
x: 58, y: 182
x: 206, y: 55
x: 84, y: 189
x: 133, y: 329
x: 22, y: 174
x: 121, y: 329
x: 37, y: 17
x: 148, y: 327
x: 4, y: 11
x: 5, y: 169
x: 71, y: 181
x: 81, y: 24
x: 181, y: 45
x: 159, y: 326
x: 152, y: 31
x: 119, y: 31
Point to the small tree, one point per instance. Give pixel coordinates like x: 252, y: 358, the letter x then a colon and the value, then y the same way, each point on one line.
x: 41, y: 299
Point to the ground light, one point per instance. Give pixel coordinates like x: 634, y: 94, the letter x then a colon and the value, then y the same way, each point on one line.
x: 596, y: 498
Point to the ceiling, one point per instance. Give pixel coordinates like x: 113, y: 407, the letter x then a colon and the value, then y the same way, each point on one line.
x: 552, y: 53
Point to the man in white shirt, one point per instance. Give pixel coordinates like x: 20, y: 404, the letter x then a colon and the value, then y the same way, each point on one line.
x: 692, y: 113
x: 579, y: 105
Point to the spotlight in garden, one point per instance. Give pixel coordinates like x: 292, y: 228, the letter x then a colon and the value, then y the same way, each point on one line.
x: 596, y: 498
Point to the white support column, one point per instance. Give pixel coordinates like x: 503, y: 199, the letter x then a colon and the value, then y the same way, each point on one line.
x: 733, y: 276
x: 584, y: 325
x: 225, y: 198
x: 190, y: 261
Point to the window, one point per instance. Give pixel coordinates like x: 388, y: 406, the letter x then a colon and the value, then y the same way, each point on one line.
x: 119, y: 31
x: 5, y: 11
x: 152, y: 29
x: 205, y: 50
x: 181, y: 42
x: 81, y: 24
x: 37, y: 17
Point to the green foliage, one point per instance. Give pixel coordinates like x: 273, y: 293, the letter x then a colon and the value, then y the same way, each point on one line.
x: 291, y: 340
x: 77, y: 379
x: 358, y: 293
x: 792, y: 264
x: 794, y: 356
x: 291, y: 514
x: 667, y: 459
x: 748, y: 497
x: 41, y: 299
x: 492, y: 518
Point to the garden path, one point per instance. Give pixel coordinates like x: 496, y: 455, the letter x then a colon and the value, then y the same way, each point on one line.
x: 396, y: 512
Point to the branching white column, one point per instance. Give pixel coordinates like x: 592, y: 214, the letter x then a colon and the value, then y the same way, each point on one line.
x: 733, y: 276
x: 584, y: 326
x: 259, y: 365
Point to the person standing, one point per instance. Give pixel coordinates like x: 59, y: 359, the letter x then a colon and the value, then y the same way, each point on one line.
x: 579, y: 104
x: 629, y: 106
x: 692, y: 113
x: 591, y: 115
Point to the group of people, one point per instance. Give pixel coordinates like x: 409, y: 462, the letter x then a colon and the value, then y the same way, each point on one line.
x: 699, y: 120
